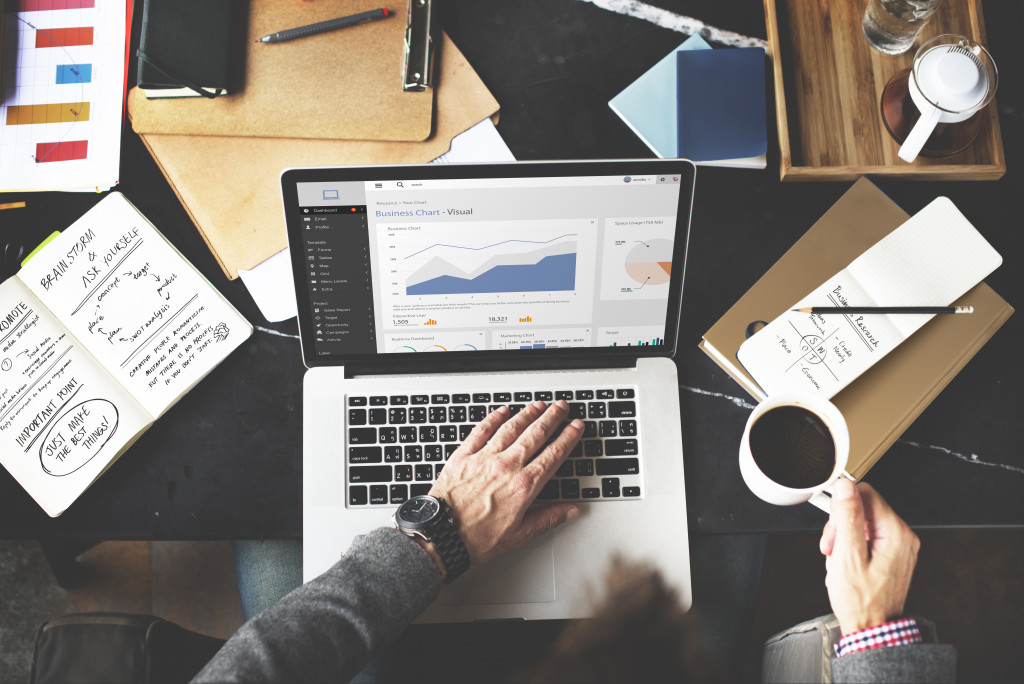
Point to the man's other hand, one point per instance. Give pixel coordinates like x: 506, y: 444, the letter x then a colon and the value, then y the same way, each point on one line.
x: 491, y: 480
x: 870, y: 555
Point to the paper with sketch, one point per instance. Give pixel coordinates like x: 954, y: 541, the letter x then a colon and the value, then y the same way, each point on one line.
x: 102, y: 332
x: 931, y: 260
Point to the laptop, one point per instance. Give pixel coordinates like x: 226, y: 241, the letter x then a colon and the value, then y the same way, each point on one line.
x: 429, y: 295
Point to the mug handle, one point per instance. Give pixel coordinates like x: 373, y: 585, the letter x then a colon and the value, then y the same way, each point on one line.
x: 919, y: 135
x: 823, y: 499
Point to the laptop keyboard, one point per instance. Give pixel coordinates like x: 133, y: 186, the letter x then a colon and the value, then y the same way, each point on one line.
x: 398, y: 444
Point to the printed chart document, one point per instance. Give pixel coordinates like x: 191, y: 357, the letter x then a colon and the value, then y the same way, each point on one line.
x: 100, y: 333
x: 931, y: 260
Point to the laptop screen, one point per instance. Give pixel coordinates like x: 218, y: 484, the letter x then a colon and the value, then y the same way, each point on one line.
x: 538, y: 258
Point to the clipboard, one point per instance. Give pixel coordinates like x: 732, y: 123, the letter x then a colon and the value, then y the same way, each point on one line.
x: 344, y: 84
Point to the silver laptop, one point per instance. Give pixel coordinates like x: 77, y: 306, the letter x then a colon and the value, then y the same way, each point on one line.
x: 430, y: 295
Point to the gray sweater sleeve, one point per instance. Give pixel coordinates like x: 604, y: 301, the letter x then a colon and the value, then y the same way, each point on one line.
x: 328, y: 628
x: 913, y: 663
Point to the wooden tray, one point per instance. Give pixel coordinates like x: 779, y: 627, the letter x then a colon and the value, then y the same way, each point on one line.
x: 828, y: 90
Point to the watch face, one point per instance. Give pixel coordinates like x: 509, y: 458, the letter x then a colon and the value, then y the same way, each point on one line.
x: 419, y: 509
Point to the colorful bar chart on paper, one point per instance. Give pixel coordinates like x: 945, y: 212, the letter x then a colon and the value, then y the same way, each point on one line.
x: 62, y: 94
x: 68, y: 112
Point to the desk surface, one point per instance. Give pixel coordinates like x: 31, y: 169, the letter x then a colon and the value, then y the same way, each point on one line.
x: 226, y: 461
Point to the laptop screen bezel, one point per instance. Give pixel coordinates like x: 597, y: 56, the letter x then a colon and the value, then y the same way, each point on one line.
x: 490, y: 359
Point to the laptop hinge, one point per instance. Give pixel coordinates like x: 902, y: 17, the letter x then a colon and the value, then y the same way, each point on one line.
x: 436, y: 365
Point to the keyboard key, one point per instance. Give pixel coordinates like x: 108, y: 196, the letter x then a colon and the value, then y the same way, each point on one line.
x: 438, y: 414
x: 564, y: 394
x: 621, y: 447
x: 549, y: 491
x: 362, y: 435
x: 424, y: 472
x: 523, y: 396
x: 357, y: 416
x: 608, y: 428
x: 564, y: 470
x: 577, y: 410
x: 414, y: 453
x: 428, y: 433
x: 457, y: 414
x: 419, y: 399
x: 366, y: 454
x: 460, y: 399
x: 378, y: 401
x: 357, y: 495
x: 477, y: 413
x: 378, y: 473
x: 502, y: 397
x: 438, y: 467
x: 589, y: 493
x: 577, y: 450
x: 357, y: 401
x: 624, y: 394
x: 449, y: 449
x: 595, y: 409
x: 396, y: 416
x: 378, y: 494
x: 417, y: 414
x: 570, y: 489
x: 419, y: 489
x: 618, y: 466
x: 589, y: 429
x: 515, y: 408
x: 439, y: 399
x: 399, y: 400
x: 584, y: 394
x: 606, y: 394
x: 493, y: 407
x: 407, y: 434
x: 610, y: 487
x: 387, y: 435
x: 392, y: 454
x: 627, y: 428
x: 482, y: 398
x: 464, y: 431
x: 621, y: 409
x: 630, y: 491
x: 399, y: 494
x: 591, y: 447
x: 403, y: 473
x: 378, y: 416
x: 584, y: 468
x: 448, y: 433
x: 432, y: 452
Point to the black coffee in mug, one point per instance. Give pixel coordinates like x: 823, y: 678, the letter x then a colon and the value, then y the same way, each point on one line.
x: 793, y: 447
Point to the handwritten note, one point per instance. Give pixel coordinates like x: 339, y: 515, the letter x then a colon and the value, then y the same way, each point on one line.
x: 134, y: 302
x: 100, y: 333
x: 931, y: 260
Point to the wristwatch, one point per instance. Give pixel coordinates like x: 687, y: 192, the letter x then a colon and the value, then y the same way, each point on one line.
x: 430, y: 518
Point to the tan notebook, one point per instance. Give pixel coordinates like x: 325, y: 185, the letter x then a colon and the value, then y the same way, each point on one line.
x: 230, y: 185
x: 344, y: 84
x: 880, y: 404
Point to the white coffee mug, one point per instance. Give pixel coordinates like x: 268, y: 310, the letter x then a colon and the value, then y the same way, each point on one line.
x: 773, y: 492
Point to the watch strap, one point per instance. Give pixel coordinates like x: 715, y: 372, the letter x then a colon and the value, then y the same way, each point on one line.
x: 449, y: 546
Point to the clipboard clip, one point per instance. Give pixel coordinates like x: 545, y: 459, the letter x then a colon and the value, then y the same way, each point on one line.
x: 419, y: 47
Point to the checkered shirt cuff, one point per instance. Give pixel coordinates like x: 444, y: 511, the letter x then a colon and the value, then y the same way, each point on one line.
x: 900, y: 632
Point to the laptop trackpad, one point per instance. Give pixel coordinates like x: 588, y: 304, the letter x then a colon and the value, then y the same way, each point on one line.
x: 526, y: 575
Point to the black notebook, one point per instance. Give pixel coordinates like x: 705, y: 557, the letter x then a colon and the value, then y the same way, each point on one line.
x: 185, y: 49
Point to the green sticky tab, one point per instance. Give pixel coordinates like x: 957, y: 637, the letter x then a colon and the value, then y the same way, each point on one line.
x: 42, y: 244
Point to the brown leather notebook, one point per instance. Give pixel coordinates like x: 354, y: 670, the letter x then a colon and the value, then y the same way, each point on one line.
x: 230, y: 185
x: 343, y: 84
x: 888, y: 397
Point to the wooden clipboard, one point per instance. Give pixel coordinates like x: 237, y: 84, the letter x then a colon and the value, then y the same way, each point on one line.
x: 344, y: 84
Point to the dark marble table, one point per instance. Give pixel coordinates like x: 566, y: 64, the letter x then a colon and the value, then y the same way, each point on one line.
x: 226, y: 461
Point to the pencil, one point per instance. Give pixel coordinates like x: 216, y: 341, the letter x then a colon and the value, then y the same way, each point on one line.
x: 886, y: 309
x: 324, y: 26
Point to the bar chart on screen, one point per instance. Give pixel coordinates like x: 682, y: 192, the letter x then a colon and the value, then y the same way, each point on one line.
x: 62, y: 93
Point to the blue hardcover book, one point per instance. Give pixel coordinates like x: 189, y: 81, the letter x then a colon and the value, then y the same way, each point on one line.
x: 721, y: 104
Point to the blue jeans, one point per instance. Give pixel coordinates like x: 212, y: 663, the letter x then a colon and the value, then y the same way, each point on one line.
x: 266, y: 569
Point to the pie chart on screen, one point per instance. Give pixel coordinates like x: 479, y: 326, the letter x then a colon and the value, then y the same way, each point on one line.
x: 650, y: 262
